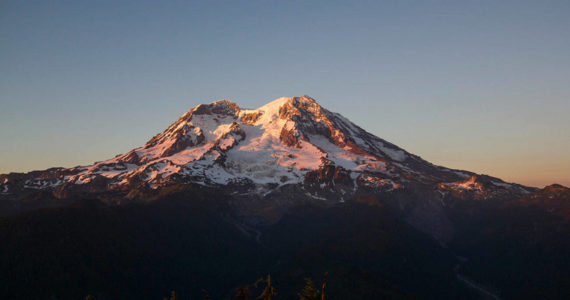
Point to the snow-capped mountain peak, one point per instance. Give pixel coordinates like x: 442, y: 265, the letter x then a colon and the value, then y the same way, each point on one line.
x: 288, y: 141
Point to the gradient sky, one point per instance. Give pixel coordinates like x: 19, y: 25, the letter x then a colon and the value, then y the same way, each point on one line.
x: 476, y: 85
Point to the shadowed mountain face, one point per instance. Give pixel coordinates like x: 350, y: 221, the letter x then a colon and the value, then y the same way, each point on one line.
x: 225, y: 195
x: 187, y: 243
x: 519, y: 247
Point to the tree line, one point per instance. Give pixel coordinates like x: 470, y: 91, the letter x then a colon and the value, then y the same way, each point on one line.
x: 268, y: 291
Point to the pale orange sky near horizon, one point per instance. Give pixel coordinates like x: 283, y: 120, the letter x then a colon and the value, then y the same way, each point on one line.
x: 536, y: 175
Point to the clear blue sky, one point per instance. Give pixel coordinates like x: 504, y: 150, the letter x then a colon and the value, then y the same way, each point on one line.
x: 477, y: 85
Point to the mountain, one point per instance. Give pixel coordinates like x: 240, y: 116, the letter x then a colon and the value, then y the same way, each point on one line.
x: 264, y: 149
x: 291, y: 149
x: 226, y: 195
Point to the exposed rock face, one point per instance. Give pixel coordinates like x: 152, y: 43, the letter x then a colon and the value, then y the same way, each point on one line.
x: 251, y: 118
x: 132, y: 158
x: 286, y: 151
x: 329, y: 174
x: 289, y: 137
x: 481, y: 187
x: 222, y: 107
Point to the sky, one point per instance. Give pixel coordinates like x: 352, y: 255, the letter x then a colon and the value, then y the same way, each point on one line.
x: 475, y: 85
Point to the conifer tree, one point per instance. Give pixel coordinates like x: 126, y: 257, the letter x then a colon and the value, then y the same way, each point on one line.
x: 206, y: 295
x: 324, y: 285
x: 309, y: 292
x: 269, y: 291
x: 242, y: 293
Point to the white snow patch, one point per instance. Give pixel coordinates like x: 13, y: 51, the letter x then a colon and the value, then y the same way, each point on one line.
x: 502, y: 184
x: 395, y: 154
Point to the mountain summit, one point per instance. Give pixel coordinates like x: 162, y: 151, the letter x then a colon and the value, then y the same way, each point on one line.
x: 274, y: 145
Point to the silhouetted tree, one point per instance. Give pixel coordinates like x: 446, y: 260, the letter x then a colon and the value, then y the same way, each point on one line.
x: 89, y: 297
x: 324, y: 285
x: 309, y: 292
x: 242, y: 293
x: 269, y: 291
x: 173, y: 296
x: 206, y: 295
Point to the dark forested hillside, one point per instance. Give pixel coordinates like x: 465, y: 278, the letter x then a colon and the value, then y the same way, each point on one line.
x: 193, y: 240
x: 123, y: 252
x: 190, y: 242
x: 519, y: 250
